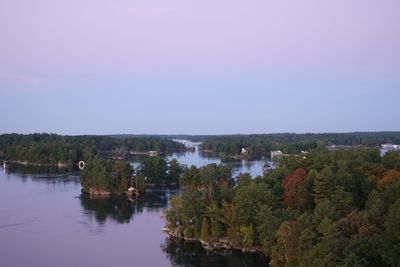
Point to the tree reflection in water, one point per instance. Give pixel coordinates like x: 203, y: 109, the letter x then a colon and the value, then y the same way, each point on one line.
x: 44, y: 170
x: 192, y: 254
x: 122, y: 208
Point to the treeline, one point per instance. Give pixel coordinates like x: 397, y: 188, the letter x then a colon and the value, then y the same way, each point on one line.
x: 339, y: 208
x: 54, y: 149
x: 159, y: 171
x: 100, y: 176
x: 261, y: 145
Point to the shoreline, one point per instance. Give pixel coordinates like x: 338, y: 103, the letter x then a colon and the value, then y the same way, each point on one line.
x: 221, y: 244
x: 27, y: 163
x: 103, y: 193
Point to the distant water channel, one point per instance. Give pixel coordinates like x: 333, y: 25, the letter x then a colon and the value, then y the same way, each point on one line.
x: 44, y: 221
x: 199, y: 159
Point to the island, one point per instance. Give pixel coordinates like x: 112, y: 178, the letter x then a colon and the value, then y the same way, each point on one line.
x: 66, y: 151
x: 101, y: 177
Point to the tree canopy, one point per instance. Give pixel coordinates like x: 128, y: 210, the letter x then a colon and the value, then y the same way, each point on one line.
x: 330, y: 208
x: 54, y: 149
x: 100, y: 175
x: 259, y: 145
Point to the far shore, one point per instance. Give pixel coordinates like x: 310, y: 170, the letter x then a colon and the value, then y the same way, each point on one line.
x: 28, y: 163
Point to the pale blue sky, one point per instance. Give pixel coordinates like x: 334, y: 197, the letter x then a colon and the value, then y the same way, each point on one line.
x: 205, y: 67
x: 198, y: 105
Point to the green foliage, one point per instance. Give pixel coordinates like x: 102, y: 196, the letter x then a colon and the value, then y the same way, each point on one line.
x: 190, y: 176
x: 139, y: 182
x: 391, y: 160
x: 96, y: 175
x: 154, y: 169
x: 323, y: 185
x: 175, y: 171
x: 106, y: 176
x: 53, y: 149
x: 248, y: 201
x: 268, y: 222
x: 205, y: 230
x: 260, y: 145
x: 391, y: 235
x: 217, y: 219
x: 122, y: 175
x: 337, y: 208
x: 248, y: 235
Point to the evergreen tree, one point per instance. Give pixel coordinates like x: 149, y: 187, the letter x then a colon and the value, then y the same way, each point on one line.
x: 323, y: 185
x: 174, y: 171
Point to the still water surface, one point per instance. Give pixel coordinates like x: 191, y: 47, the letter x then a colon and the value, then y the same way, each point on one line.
x: 199, y: 159
x: 44, y: 221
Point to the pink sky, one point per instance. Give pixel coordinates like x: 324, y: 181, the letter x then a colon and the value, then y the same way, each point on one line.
x: 348, y: 38
x: 209, y: 66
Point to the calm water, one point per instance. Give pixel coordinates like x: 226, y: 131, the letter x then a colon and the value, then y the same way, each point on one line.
x: 199, y: 159
x: 44, y: 221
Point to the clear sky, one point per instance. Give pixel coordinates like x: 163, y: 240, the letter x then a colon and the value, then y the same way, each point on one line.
x: 199, y: 67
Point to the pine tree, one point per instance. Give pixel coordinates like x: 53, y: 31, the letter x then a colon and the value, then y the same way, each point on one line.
x: 323, y: 185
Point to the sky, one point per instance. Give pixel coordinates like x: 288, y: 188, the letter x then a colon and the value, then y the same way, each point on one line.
x: 199, y: 67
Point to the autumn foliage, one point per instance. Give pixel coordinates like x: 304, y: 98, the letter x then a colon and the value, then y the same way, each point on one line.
x: 295, y: 190
x: 391, y: 177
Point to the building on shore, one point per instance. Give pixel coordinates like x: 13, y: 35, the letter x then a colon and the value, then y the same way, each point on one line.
x: 276, y: 154
x: 153, y: 153
x: 389, y: 147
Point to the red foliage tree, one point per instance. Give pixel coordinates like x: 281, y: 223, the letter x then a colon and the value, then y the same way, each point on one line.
x: 296, y: 193
x: 391, y: 177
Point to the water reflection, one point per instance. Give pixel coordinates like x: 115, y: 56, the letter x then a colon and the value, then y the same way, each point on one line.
x: 38, y: 169
x: 199, y: 158
x: 44, y: 209
x: 192, y: 254
x: 122, y: 209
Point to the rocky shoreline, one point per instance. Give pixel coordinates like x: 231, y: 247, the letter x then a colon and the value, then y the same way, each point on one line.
x: 103, y: 193
x: 214, y: 245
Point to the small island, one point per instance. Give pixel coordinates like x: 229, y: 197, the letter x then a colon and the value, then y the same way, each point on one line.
x: 102, y: 177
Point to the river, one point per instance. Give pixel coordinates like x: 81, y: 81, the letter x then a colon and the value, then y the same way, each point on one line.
x: 199, y: 159
x: 44, y: 221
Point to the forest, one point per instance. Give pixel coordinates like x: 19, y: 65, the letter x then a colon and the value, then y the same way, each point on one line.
x: 102, y: 176
x: 53, y: 149
x: 260, y: 145
x: 329, y: 208
x: 159, y: 171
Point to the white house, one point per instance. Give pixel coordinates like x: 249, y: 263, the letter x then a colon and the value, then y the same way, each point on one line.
x: 276, y: 154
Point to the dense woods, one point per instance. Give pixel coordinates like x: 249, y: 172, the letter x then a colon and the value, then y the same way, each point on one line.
x: 158, y: 170
x: 261, y: 145
x: 106, y: 177
x: 330, y: 208
x: 101, y: 176
x: 55, y: 149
